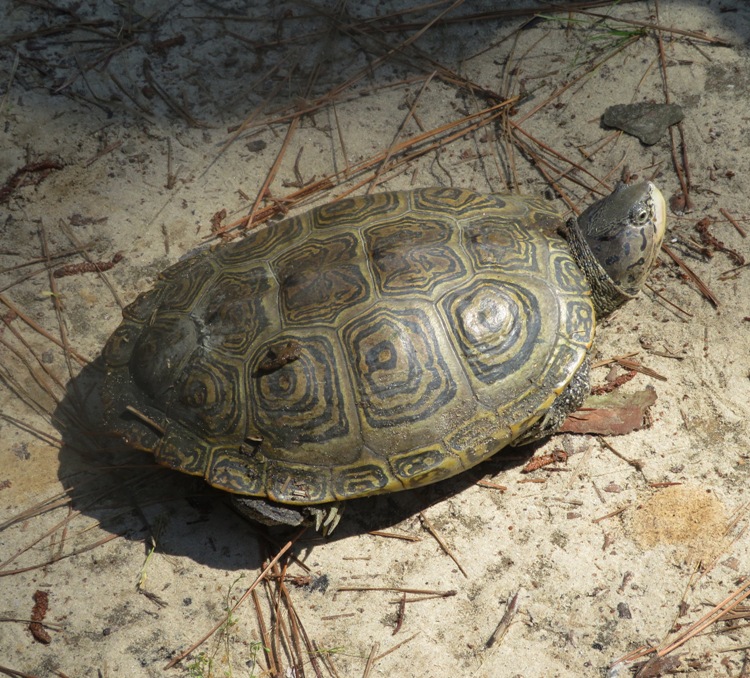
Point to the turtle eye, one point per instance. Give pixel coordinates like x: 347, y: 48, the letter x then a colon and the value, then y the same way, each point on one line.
x: 641, y: 216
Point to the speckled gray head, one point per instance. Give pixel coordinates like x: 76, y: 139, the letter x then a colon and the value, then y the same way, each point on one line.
x: 616, y: 242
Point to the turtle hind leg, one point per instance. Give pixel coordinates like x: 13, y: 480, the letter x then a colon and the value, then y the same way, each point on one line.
x: 566, y: 403
x: 325, y: 517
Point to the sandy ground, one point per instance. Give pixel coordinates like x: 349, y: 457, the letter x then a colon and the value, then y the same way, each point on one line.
x: 126, y: 116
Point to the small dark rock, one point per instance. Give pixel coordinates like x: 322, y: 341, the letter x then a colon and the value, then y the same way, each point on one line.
x: 646, y: 121
x: 256, y: 146
x: 623, y: 611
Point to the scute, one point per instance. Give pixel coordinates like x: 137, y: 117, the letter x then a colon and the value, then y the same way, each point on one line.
x: 302, y: 409
x: 398, y: 367
x: 321, y: 278
x: 413, y: 255
x: 371, y: 345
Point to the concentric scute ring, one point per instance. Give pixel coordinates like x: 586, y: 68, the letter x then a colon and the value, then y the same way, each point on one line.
x: 412, y: 255
x: 119, y: 346
x: 233, y: 311
x: 565, y: 272
x: 187, y: 281
x: 454, y: 201
x: 478, y: 437
x: 183, y: 450
x: 360, y: 480
x: 264, y: 243
x: 210, y: 395
x: 297, y: 483
x: 234, y: 471
x: 578, y: 321
x: 496, y: 325
x: 495, y: 243
x: 321, y: 278
x: 398, y: 366
x: 351, y: 213
x: 301, y: 402
x: 143, y: 306
x: 424, y: 466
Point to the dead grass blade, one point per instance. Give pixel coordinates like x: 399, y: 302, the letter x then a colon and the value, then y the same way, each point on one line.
x: 56, y: 300
x: 398, y: 589
x: 718, y: 42
x: 171, y: 103
x: 502, y: 628
x: 409, y: 115
x: 16, y: 674
x: 395, y: 647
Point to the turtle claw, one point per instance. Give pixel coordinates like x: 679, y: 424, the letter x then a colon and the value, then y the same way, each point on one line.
x: 327, y: 518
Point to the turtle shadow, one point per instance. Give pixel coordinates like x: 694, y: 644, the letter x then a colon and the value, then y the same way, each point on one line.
x: 127, y: 493
x: 387, y: 511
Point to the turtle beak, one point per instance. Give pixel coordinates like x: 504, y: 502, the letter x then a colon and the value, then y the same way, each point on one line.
x: 660, y: 215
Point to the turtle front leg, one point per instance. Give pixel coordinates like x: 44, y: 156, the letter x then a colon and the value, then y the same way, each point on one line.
x: 325, y: 516
x: 566, y: 403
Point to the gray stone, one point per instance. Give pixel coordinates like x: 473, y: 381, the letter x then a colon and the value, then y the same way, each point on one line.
x: 646, y: 121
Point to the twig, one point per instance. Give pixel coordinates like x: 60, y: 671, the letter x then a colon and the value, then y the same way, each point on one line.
x: 733, y: 221
x: 612, y: 514
x: 395, y: 647
x: 726, y: 605
x: 692, y: 275
x: 371, y: 660
x: 245, y: 595
x: 433, y: 531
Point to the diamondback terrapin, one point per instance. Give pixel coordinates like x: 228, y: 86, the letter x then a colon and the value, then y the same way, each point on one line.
x: 374, y: 344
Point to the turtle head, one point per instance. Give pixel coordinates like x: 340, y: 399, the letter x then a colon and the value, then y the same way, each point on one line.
x: 616, y: 242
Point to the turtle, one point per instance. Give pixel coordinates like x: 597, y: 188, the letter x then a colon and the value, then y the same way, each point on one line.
x: 373, y: 344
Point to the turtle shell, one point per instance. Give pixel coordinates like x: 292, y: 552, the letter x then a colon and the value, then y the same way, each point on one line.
x: 371, y: 345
